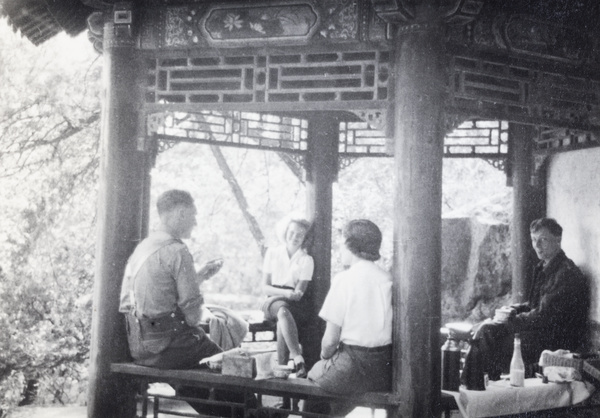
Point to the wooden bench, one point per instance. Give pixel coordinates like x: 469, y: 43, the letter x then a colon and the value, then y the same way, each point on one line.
x: 285, y: 388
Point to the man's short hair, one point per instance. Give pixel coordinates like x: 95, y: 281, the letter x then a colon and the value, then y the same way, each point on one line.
x: 170, y: 199
x: 549, y: 223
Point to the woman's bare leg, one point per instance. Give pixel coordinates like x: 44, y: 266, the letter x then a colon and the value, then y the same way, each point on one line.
x: 283, y: 354
x: 286, y: 327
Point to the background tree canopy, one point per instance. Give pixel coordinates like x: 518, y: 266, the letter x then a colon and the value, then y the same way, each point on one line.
x: 49, y: 133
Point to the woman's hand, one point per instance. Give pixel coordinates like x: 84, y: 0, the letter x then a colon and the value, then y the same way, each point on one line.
x: 331, y: 340
x: 295, y: 295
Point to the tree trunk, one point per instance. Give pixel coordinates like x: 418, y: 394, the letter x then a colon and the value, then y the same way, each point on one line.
x: 241, y: 199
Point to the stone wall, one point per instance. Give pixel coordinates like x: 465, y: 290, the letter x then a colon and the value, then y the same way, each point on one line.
x: 476, y: 268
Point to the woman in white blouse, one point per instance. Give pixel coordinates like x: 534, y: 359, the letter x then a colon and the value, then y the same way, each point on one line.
x: 356, y: 349
x: 287, y: 271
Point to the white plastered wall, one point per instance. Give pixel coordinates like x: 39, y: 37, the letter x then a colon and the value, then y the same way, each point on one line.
x: 573, y: 199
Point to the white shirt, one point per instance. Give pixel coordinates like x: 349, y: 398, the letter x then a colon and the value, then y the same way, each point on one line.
x: 286, y: 271
x: 360, y: 302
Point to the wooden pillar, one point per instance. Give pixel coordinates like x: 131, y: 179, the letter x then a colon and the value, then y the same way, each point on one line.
x: 419, y: 135
x: 120, y: 211
x: 528, y: 204
x: 321, y: 172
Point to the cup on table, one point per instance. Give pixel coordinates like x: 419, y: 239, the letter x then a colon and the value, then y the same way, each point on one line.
x: 503, y: 314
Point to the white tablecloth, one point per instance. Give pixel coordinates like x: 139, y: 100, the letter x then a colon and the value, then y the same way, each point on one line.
x: 500, y: 398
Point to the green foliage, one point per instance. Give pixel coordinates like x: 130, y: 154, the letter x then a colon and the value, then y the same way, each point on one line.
x: 48, y: 172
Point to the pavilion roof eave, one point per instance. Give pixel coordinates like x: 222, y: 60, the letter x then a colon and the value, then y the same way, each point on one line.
x: 40, y: 20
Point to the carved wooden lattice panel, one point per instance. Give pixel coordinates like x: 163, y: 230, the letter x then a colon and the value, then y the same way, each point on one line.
x: 477, y: 138
x: 342, y: 77
x: 359, y: 138
x: 243, y: 129
x: 524, y: 92
x: 560, y: 139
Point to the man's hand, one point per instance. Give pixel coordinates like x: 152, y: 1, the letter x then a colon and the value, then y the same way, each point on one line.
x: 521, y: 307
x: 210, y: 268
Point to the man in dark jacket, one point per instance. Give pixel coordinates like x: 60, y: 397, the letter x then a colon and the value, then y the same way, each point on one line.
x: 554, y: 316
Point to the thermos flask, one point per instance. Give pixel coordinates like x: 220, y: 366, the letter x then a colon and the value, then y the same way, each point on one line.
x: 450, y: 365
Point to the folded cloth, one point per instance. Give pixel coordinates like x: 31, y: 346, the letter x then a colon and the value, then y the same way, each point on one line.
x: 500, y: 398
x: 557, y: 358
x: 561, y: 374
x: 226, y: 327
x: 266, y: 360
x: 560, y: 366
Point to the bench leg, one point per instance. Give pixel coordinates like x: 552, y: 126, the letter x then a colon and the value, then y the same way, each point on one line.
x: 156, y: 406
x: 144, y: 393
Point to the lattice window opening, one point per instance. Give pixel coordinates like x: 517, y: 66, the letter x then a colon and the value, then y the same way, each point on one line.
x: 474, y: 138
x: 303, y: 77
x: 551, y: 138
x: 477, y: 137
x: 247, y: 129
x: 361, y: 138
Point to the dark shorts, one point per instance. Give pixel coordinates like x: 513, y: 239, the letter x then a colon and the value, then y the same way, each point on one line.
x: 272, y: 305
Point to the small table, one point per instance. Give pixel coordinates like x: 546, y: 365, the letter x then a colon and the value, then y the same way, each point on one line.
x: 500, y: 398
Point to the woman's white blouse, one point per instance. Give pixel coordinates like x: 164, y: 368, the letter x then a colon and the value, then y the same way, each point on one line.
x: 360, y: 302
x: 286, y: 271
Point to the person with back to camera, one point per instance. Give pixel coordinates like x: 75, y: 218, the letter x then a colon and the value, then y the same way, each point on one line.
x: 554, y: 316
x: 162, y: 301
x: 356, y: 349
x: 287, y: 271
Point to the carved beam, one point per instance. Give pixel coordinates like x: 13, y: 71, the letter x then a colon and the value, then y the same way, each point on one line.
x: 400, y: 12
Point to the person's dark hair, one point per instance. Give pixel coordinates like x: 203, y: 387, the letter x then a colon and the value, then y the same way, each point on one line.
x: 363, y: 239
x: 304, y: 224
x: 170, y: 199
x: 550, y: 224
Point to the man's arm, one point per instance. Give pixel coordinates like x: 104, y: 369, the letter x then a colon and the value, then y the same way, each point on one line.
x: 562, y: 299
x: 189, y: 297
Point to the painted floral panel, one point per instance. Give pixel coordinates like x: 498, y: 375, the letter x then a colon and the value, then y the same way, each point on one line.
x: 260, y: 22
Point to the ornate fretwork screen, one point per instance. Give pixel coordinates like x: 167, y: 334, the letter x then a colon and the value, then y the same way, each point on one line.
x: 478, y: 138
x: 299, y: 79
x: 559, y: 139
x: 238, y: 129
x: 471, y: 139
x: 524, y: 91
x: 359, y: 139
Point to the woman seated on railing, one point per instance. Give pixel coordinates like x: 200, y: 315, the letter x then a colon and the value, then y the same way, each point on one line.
x: 287, y: 271
x: 356, y: 350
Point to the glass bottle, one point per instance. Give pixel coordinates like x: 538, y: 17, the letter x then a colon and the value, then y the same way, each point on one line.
x: 517, y: 367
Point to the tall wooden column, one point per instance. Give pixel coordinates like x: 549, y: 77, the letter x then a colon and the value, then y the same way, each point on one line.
x: 419, y: 135
x: 321, y: 172
x: 120, y: 211
x: 528, y: 204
